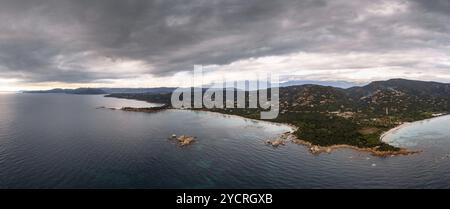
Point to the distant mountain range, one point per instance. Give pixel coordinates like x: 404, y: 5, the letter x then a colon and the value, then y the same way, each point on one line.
x: 339, y: 84
x: 106, y: 90
x: 71, y: 91
x: 159, y: 90
x: 398, y: 96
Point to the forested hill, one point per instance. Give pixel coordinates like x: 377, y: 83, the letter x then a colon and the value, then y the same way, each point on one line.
x: 396, y: 97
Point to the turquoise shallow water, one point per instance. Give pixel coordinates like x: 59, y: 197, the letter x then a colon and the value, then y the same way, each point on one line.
x: 64, y: 141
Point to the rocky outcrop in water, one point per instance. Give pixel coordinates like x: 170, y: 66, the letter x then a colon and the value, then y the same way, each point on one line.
x: 184, y: 140
x: 276, y: 142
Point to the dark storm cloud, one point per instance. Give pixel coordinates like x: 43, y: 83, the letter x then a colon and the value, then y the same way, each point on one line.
x: 442, y: 6
x: 60, y: 40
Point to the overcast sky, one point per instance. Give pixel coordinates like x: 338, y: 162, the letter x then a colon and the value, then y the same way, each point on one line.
x: 122, y: 43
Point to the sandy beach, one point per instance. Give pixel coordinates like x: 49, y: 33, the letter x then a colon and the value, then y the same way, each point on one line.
x: 385, y: 136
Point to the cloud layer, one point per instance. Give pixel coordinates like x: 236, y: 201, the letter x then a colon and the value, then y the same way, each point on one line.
x: 147, y: 42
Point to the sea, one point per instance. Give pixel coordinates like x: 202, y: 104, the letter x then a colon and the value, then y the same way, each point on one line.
x: 84, y: 141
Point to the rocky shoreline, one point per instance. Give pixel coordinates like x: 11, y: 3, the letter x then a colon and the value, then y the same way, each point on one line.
x: 290, y: 137
x: 287, y: 137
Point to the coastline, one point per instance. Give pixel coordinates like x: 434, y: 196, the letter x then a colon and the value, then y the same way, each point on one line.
x: 290, y: 137
x: 293, y: 127
x: 385, y: 136
x: 317, y: 149
x: 164, y: 108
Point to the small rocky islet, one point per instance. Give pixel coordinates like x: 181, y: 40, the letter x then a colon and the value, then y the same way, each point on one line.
x: 183, y: 140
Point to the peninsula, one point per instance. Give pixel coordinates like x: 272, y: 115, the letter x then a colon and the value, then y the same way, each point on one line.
x: 330, y: 117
